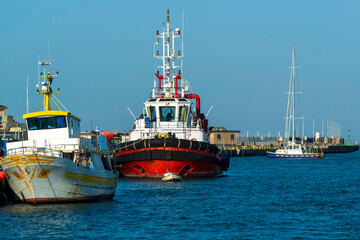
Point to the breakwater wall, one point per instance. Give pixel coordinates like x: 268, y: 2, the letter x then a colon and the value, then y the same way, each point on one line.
x: 261, y: 151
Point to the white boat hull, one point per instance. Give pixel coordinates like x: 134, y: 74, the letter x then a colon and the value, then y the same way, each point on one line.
x: 294, y: 156
x: 172, y: 178
x: 45, y: 179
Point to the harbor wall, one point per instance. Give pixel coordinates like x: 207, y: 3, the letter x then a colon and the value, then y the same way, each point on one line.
x: 239, y: 151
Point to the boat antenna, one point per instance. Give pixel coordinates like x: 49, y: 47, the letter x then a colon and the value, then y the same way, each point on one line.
x: 209, y: 111
x: 38, y: 70
x: 131, y: 113
x: 27, y: 93
x: 49, y: 50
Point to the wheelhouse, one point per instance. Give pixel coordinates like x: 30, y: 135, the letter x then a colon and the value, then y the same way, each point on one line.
x: 166, y: 112
x: 57, y: 124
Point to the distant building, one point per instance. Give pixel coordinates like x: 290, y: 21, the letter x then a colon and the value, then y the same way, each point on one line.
x: 9, y: 129
x: 220, y: 136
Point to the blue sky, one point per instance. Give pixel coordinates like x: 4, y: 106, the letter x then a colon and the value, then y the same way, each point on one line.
x: 237, y: 55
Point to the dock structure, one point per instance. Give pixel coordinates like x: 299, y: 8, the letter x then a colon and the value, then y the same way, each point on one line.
x: 240, y: 151
x: 232, y: 145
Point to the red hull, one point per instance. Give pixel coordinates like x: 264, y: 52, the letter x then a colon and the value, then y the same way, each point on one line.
x: 157, y: 168
x: 154, y: 157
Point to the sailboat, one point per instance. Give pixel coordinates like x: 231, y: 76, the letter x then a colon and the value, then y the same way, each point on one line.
x: 293, y: 150
x: 56, y: 165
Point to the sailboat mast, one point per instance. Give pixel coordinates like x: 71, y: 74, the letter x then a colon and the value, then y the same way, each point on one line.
x: 293, y: 94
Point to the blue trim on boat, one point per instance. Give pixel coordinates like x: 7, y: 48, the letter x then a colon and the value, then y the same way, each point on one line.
x: 295, y: 156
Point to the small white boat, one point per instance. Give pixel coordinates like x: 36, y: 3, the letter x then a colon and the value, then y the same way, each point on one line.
x: 171, y: 177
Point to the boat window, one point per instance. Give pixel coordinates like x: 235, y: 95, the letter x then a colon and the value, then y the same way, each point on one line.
x: 296, y: 147
x: 152, y: 113
x: 60, y: 122
x: 167, y: 100
x: 183, y: 110
x: 167, y: 113
x: 46, y: 123
x: 182, y: 100
x: 152, y: 100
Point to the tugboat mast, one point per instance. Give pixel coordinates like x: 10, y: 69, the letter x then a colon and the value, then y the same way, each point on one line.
x: 169, y: 86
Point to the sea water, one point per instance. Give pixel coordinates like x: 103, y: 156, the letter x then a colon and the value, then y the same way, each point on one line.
x: 258, y: 198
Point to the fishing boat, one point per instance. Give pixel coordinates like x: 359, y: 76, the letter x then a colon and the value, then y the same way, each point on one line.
x: 171, y: 134
x: 56, y: 165
x: 293, y: 150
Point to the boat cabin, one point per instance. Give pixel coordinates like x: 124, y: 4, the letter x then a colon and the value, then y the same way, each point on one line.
x: 166, y: 113
x: 171, y: 116
x: 293, y: 148
x: 51, y: 124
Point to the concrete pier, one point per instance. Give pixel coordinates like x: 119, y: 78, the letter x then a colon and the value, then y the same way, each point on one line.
x: 240, y: 151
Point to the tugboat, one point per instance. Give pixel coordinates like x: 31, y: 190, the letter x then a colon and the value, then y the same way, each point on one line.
x: 293, y: 150
x: 170, y: 135
x: 55, y: 164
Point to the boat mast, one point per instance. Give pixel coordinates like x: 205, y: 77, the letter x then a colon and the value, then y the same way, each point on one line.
x: 168, y: 81
x: 45, y: 86
x: 293, y: 94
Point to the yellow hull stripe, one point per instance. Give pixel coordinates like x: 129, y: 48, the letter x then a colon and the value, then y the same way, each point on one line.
x: 83, y: 185
x: 26, y: 159
x: 90, y: 179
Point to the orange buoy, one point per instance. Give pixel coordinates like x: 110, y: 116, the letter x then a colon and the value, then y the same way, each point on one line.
x: 109, y: 135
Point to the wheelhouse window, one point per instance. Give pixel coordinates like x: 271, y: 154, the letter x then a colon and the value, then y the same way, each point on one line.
x: 167, y: 113
x: 151, y: 113
x: 183, y: 110
x: 46, y: 123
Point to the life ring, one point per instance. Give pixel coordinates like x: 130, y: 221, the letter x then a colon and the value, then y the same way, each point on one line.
x: 286, y: 151
x: 193, y: 139
x: 163, y: 135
